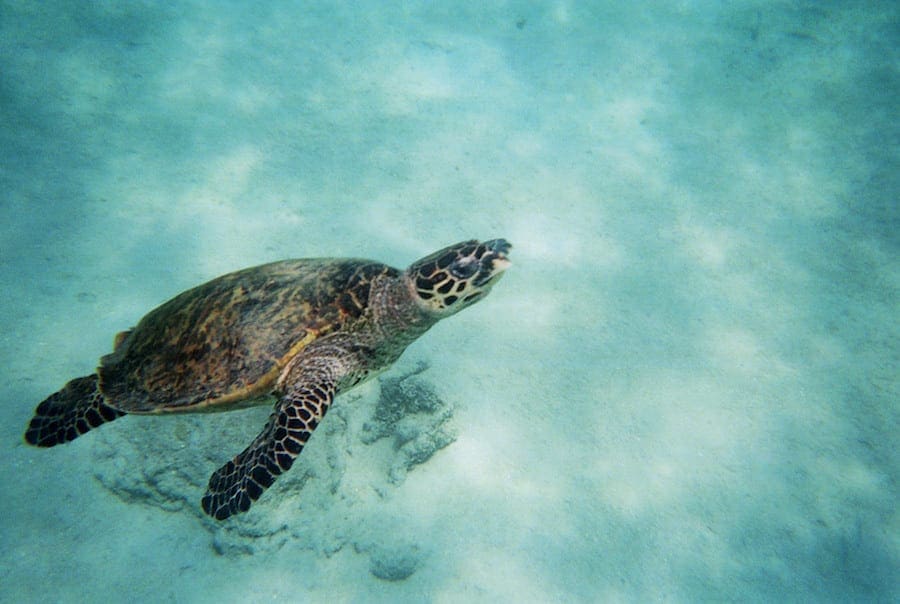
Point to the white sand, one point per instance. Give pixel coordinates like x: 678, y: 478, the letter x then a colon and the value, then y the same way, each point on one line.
x: 686, y: 387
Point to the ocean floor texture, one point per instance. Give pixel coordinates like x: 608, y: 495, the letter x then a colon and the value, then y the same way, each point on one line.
x: 686, y: 388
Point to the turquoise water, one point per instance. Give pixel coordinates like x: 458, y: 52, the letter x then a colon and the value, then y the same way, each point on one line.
x: 684, y: 389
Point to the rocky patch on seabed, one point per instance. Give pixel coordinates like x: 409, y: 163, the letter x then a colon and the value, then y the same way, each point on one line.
x: 359, y: 454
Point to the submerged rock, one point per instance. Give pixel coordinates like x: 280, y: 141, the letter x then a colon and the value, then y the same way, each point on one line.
x: 359, y: 456
x: 395, y: 563
x: 412, y: 416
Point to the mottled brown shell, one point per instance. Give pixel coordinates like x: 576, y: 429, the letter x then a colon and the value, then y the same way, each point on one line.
x: 227, y: 340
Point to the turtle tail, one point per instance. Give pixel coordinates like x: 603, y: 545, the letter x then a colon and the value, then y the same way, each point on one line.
x: 69, y: 413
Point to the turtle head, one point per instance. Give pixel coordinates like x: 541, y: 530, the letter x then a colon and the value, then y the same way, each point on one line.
x: 457, y: 276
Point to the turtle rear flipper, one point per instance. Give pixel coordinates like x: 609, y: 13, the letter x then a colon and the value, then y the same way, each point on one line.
x: 236, y: 485
x: 69, y: 413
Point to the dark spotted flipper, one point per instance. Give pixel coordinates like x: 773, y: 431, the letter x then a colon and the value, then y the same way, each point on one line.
x: 236, y: 485
x: 69, y: 413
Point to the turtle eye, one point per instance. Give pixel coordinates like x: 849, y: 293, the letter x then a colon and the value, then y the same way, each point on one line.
x: 464, y: 267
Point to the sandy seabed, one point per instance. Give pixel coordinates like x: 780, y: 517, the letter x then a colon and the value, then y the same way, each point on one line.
x: 685, y: 388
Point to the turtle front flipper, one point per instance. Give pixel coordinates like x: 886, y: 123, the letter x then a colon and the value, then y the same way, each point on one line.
x: 69, y: 413
x: 236, y: 485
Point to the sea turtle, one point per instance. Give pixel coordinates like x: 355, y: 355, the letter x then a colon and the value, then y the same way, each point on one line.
x: 299, y: 330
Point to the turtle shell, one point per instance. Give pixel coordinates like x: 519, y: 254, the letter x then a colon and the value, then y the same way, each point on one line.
x: 226, y: 341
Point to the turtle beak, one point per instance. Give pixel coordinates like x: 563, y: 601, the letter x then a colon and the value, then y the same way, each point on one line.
x: 494, y: 261
x: 499, y: 249
x: 499, y: 265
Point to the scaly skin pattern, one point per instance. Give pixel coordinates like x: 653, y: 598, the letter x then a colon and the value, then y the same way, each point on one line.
x: 313, y: 379
x: 299, y: 330
x: 320, y: 372
x: 236, y: 485
x: 69, y: 413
